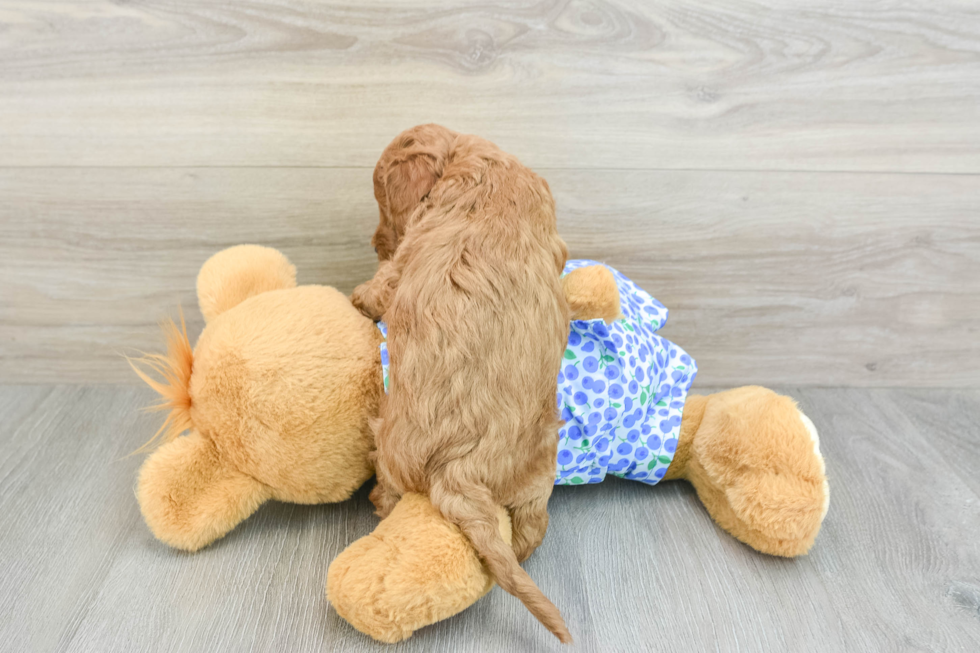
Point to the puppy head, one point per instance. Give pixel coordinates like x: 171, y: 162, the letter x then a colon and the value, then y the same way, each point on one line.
x: 407, y: 170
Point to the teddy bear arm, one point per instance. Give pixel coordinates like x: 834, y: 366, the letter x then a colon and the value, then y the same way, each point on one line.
x: 592, y: 293
x: 415, y: 569
x: 234, y: 274
x: 190, y: 496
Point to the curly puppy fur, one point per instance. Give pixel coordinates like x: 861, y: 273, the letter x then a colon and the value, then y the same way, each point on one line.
x: 469, y: 284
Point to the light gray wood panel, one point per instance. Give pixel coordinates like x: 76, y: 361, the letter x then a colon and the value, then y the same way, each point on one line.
x: 772, y: 278
x: 92, y: 260
x: 79, y: 562
x: 901, y: 544
x: 622, y: 84
x: 951, y: 423
x: 896, y: 567
x: 816, y: 279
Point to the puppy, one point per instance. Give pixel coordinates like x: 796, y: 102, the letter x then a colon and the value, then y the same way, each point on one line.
x: 469, y: 285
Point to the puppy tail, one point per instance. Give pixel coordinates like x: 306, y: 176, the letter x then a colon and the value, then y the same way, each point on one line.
x: 470, y: 506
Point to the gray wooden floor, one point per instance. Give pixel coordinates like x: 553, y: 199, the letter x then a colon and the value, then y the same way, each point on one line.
x: 896, y: 567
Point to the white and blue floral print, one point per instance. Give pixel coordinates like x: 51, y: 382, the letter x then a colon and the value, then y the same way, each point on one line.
x: 621, y: 392
x: 384, y: 354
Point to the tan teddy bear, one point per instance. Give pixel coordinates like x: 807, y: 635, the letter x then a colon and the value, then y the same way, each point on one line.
x: 275, y: 402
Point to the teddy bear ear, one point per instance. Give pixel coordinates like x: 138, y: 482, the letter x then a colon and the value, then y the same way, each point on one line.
x: 233, y: 275
x: 190, y: 496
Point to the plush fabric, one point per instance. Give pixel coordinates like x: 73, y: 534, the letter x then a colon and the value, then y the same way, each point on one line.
x: 276, y: 401
x: 621, y: 392
x: 416, y: 567
x: 262, y: 428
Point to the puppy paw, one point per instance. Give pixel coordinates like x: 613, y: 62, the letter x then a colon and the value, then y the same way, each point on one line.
x: 366, y: 300
x: 384, y: 500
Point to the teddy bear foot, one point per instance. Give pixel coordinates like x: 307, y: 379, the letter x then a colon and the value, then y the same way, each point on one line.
x: 756, y: 464
x: 415, y: 569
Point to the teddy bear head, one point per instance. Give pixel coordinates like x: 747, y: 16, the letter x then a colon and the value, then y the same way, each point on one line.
x: 273, y: 402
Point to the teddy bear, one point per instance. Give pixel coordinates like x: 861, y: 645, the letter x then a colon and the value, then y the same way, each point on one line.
x: 277, y: 399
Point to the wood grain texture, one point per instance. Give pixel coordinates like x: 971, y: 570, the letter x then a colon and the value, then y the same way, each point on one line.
x: 728, y: 84
x: 896, y: 566
x: 774, y: 278
x: 692, y: 145
x: 800, y: 188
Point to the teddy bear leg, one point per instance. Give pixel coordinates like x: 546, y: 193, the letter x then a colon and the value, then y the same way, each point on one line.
x: 756, y: 465
x: 415, y: 569
x: 190, y: 497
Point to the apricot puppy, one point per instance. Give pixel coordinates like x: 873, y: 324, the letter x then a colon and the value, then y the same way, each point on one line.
x: 469, y: 286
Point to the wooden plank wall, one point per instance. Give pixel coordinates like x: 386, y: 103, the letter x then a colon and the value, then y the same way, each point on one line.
x: 800, y: 187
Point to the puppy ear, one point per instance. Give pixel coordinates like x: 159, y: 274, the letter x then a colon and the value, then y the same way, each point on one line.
x: 407, y: 171
x: 190, y: 496
x: 405, y: 181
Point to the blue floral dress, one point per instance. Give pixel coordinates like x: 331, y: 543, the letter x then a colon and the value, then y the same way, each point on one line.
x: 621, y: 392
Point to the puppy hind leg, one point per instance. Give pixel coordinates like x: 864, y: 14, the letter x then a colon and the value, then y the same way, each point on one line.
x: 530, y: 522
x: 384, y: 497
